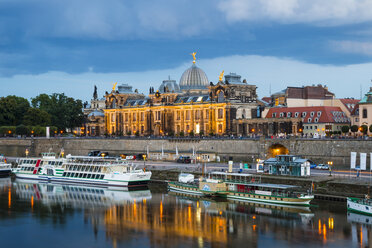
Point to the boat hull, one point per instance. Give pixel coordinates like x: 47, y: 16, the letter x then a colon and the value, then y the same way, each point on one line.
x: 188, y: 189
x: 298, y: 201
x: 357, y: 206
x: 184, y: 189
x: 129, y: 182
x: 5, y: 172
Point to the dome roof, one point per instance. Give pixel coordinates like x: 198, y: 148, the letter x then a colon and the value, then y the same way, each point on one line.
x: 169, y: 86
x: 194, y: 78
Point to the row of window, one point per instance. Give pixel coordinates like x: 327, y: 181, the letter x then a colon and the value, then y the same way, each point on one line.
x: 297, y: 114
x: 83, y: 175
x: 84, y: 168
x: 28, y: 168
x: 157, y: 115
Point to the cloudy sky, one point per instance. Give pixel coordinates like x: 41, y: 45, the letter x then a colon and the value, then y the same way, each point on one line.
x: 69, y: 46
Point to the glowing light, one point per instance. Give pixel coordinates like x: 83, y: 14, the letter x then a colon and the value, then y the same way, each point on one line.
x: 32, y: 201
x: 254, y: 227
x: 9, y: 198
x: 254, y: 217
x: 161, y: 210
x: 324, y: 232
x: 320, y: 227
x: 189, y: 214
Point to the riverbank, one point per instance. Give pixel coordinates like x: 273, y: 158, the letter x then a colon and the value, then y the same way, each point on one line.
x: 325, y: 187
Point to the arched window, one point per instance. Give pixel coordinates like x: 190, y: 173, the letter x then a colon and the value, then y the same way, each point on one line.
x: 221, y: 97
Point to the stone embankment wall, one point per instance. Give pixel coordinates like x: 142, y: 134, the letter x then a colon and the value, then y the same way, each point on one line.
x: 320, y: 151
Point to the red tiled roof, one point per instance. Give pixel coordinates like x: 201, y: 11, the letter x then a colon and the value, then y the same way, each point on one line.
x: 316, y: 114
x: 266, y: 99
x: 350, y: 103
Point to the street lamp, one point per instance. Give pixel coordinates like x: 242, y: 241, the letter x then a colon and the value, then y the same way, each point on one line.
x: 330, y: 163
x: 26, y: 152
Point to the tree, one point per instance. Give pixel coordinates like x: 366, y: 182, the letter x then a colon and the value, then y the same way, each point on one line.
x: 35, y: 116
x: 22, y: 130
x: 65, y: 112
x: 345, y: 129
x: 12, y: 110
x: 370, y: 128
x: 364, y: 129
x: 354, y: 128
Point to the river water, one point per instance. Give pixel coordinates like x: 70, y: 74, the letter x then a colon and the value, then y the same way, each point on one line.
x: 35, y: 214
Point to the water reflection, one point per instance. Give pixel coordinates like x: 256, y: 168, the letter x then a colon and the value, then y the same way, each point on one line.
x: 118, y: 218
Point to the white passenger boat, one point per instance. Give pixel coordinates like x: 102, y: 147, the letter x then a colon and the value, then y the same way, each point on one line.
x: 77, y: 195
x: 363, y: 206
x: 5, y: 167
x: 82, y: 170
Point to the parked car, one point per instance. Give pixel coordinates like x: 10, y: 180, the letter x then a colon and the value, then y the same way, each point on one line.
x: 184, y: 159
x: 93, y: 153
x: 312, y: 165
x: 320, y: 166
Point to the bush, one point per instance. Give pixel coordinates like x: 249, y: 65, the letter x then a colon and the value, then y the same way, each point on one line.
x: 22, y: 130
x: 129, y: 133
x: 345, y: 129
x: 191, y: 133
x: 201, y: 133
x: 354, y: 128
x: 136, y: 133
x: 39, y: 131
x: 370, y: 128
x: 182, y: 134
x: 364, y: 129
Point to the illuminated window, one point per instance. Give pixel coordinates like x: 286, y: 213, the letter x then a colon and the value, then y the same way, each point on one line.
x: 220, y: 113
x: 187, y: 114
x: 207, y: 113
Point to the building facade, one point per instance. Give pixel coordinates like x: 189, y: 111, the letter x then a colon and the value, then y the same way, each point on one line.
x: 194, y: 107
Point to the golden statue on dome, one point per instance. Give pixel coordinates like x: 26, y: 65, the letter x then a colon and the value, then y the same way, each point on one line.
x: 221, y: 76
x: 114, y: 86
x: 193, y: 55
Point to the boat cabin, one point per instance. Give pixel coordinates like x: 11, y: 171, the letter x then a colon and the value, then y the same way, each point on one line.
x: 288, y: 165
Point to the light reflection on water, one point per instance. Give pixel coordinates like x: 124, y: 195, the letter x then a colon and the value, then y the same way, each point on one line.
x: 98, y: 217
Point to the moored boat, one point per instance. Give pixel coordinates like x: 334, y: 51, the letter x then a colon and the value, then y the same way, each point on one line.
x: 241, y: 187
x: 81, y: 170
x: 5, y: 167
x: 363, y: 206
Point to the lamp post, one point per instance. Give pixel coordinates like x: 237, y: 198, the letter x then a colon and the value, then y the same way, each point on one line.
x: 26, y: 152
x: 330, y: 163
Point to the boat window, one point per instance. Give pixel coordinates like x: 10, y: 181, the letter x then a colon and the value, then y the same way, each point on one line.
x: 88, y: 176
x: 97, y: 176
x: 52, y: 163
x: 85, y: 176
x: 87, y: 168
x: 102, y: 176
x: 366, y: 208
x: 91, y: 169
x: 64, y: 174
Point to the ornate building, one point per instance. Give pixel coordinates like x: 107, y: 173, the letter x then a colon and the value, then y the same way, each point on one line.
x: 195, y: 106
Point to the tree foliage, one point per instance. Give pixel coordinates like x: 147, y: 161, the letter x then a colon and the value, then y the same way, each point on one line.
x: 364, y: 129
x: 345, y: 129
x: 354, y: 128
x: 12, y: 110
x: 35, y: 117
x: 65, y: 112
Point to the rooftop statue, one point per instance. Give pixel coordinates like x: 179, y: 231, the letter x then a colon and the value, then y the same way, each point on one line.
x: 221, y: 76
x: 114, y: 86
x: 193, y: 55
